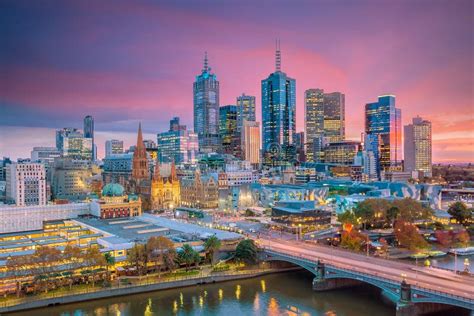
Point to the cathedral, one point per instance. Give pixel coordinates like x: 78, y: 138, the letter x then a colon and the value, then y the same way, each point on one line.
x: 157, y: 192
x: 165, y: 191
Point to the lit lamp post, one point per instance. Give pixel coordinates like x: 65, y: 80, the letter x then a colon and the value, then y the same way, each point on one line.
x: 466, y: 265
x: 455, y: 261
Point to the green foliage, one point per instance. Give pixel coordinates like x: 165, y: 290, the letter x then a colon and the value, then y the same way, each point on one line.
x: 221, y: 268
x: 212, y: 246
x: 188, y: 256
x: 348, y: 217
x: 246, y: 251
x: 460, y: 212
x: 352, y: 240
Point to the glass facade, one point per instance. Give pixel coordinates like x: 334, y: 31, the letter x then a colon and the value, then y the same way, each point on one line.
x: 418, y: 146
x: 382, y: 118
x: 324, y: 121
x: 72, y: 143
x: 177, y: 145
x: 206, y: 109
x: 278, y: 119
x: 246, y: 110
x: 228, y: 131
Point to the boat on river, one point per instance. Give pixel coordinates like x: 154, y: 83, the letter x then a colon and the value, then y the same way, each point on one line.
x: 466, y: 251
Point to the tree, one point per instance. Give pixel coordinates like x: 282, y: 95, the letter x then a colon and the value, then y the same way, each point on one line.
x: 109, y: 261
x: 460, y: 212
x: 352, y: 240
x: 408, y: 236
x: 157, y: 247
x: 187, y: 256
x: 136, y: 256
x: 348, y: 217
x: 246, y: 251
x: 212, y: 246
x: 444, y: 237
x: 372, y: 211
x: 392, y: 214
x: 93, y: 258
x: 411, y: 210
x: 44, y: 262
x: 463, y: 238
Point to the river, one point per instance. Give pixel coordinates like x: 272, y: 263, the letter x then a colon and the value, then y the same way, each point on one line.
x: 276, y: 294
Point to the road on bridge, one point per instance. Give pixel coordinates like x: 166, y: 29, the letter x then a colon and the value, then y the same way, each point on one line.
x: 447, y: 282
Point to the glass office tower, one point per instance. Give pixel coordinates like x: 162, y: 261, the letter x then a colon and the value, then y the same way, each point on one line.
x: 278, y: 117
x: 206, y: 109
x: 383, y: 119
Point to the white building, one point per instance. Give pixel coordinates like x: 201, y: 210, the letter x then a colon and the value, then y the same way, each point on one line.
x: 24, y: 218
x: 418, y: 146
x: 26, y: 183
x: 45, y: 155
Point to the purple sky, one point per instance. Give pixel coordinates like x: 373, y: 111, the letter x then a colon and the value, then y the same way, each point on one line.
x: 130, y: 61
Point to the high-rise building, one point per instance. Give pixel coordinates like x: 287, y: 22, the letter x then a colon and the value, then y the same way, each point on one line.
x: 300, y: 147
x: 383, y: 119
x: 177, y: 145
x: 206, y: 109
x: 230, y: 139
x: 417, y: 149
x: 251, y: 142
x: 26, y: 184
x: 278, y: 116
x: 113, y: 147
x: 70, y: 179
x: 245, y: 109
x: 72, y: 143
x: 89, y: 133
x: 324, y: 121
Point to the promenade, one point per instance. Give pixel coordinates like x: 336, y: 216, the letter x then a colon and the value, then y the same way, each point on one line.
x: 140, y: 285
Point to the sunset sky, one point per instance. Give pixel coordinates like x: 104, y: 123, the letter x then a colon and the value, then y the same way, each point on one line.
x: 128, y: 61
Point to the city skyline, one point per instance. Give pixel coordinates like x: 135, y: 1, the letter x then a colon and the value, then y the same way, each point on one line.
x: 104, y: 70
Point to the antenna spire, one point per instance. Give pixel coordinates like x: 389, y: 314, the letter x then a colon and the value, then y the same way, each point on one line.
x: 277, y: 56
x: 206, y: 66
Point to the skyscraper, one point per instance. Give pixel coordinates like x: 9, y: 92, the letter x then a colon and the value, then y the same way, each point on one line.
x: 206, y: 109
x: 177, y: 145
x: 245, y: 109
x: 324, y: 121
x: 383, y: 119
x: 251, y: 142
x: 278, y: 116
x: 89, y: 133
x: 113, y: 147
x: 228, y: 129
x: 417, y: 149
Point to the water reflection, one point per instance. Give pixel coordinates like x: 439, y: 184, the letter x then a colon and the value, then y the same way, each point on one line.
x: 279, y: 294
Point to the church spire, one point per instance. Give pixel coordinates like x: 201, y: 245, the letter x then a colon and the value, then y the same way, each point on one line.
x: 140, y: 161
x: 156, y: 173
x: 173, y: 172
x: 277, y: 56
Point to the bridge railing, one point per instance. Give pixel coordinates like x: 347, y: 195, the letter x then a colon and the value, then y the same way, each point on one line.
x: 375, y: 275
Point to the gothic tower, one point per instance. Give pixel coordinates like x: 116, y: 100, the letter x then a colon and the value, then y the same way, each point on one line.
x: 140, y: 162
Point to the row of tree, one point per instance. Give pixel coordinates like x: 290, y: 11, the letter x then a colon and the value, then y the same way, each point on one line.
x: 379, y: 213
x: 47, y: 266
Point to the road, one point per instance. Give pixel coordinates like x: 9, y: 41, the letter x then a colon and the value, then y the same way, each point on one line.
x: 446, y: 282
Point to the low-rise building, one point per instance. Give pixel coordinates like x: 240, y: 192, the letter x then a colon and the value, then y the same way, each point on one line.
x: 114, y: 203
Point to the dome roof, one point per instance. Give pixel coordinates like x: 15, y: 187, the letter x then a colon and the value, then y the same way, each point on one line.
x: 113, y: 189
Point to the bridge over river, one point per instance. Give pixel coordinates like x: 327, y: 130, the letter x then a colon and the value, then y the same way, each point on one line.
x: 414, y: 290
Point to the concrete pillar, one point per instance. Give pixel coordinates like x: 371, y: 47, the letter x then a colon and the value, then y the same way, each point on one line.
x: 405, y: 306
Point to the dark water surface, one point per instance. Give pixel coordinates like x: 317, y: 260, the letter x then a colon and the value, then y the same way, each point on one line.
x: 276, y: 294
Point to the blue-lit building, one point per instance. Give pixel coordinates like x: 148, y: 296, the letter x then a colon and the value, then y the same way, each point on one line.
x: 177, y: 145
x: 246, y: 110
x: 206, y: 109
x: 278, y: 117
x: 384, y: 133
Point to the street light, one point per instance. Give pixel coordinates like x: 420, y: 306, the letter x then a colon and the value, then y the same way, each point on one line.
x: 466, y: 265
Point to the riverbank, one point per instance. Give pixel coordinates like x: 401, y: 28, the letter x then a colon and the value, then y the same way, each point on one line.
x: 88, y: 294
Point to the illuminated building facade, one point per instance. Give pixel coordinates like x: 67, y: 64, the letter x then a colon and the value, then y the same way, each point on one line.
x: 206, y: 109
x: 324, y: 121
x: 165, y: 191
x: 278, y: 117
x: 418, y: 146
x: 72, y: 143
x: 383, y: 120
x: 113, y: 147
x: 341, y: 152
x: 251, y: 142
x: 70, y: 179
x: 177, y: 145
